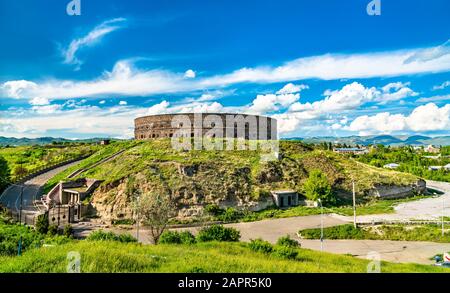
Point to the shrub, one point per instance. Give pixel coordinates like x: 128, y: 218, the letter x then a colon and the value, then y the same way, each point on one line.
x: 175, y: 237
x: 68, y: 231
x: 187, y: 237
x: 285, y: 252
x: 101, y: 235
x: 52, y: 230
x: 286, y: 241
x: 213, y: 210
x: 229, y: 215
x: 260, y: 245
x: 42, y: 224
x: 170, y: 237
x: 218, y: 233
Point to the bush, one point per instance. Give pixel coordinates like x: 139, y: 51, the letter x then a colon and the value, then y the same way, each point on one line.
x: 218, y: 233
x: 101, y: 235
x: 260, y: 245
x: 286, y: 241
x: 68, y: 231
x: 52, y: 230
x: 229, y: 215
x: 187, y: 237
x: 347, y: 231
x: 170, y: 237
x: 175, y: 237
x: 317, y: 187
x: 42, y: 224
x: 285, y: 252
x: 214, y: 210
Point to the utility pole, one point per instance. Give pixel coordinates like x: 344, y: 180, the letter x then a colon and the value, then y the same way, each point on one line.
x: 354, y: 204
x: 443, y: 207
x: 321, y: 224
x: 137, y: 220
x: 21, y: 202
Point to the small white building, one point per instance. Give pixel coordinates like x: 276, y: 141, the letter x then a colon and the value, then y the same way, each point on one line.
x: 391, y: 166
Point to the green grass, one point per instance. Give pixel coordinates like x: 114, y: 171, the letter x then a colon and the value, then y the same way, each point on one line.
x: 430, y: 232
x: 106, y: 256
x: 33, y: 158
x: 103, y: 152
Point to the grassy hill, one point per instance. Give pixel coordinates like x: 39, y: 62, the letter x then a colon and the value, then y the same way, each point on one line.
x: 237, y: 178
x: 106, y: 256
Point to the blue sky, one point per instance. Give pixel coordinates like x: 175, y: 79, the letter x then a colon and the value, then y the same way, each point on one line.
x: 320, y: 67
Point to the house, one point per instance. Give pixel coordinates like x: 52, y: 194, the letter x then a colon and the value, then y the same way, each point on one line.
x: 432, y: 149
x: 105, y: 141
x: 354, y: 151
x: 285, y: 198
x: 435, y: 168
x: 391, y: 166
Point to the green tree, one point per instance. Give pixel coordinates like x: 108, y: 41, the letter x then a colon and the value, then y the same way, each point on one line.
x: 4, y: 173
x: 317, y: 187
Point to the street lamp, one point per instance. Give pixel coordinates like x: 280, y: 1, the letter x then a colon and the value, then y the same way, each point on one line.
x: 321, y: 224
x: 443, y: 207
x: 137, y: 217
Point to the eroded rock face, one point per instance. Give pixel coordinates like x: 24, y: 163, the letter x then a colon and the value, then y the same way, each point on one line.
x: 394, y: 191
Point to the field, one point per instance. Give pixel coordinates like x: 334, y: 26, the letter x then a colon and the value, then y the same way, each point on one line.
x: 430, y: 232
x: 108, y: 256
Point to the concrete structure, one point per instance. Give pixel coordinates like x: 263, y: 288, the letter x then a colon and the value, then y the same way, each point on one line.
x: 432, y: 149
x: 207, y: 124
x: 285, y: 198
x: 353, y: 151
x: 391, y: 166
x: 72, y: 192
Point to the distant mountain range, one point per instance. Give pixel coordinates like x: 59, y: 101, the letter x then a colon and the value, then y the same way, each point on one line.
x: 12, y: 141
x: 349, y: 140
x: 380, y: 139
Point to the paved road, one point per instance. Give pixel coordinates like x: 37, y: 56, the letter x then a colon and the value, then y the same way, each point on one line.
x: 424, y: 209
x: 10, y: 198
x: 393, y: 251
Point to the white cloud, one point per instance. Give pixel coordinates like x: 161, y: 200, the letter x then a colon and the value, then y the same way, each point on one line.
x: 351, y: 96
x: 428, y: 54
x: 291, y: 88
x: 395, y: 91
x: 424, y: 118
x: 91, y: 38
x: 126, y: 80
x: 189, y: 73
x: 272, y: 102
x: 123, y: 103
x: 18, y: 88
x: 37, y: 101
x: 442, y: 85
x: 434, y: 99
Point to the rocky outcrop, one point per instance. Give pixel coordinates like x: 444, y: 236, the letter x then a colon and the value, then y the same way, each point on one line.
x: 395, y: 191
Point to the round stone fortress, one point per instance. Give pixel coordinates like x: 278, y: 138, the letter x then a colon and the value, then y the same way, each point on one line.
x: 205, y: 125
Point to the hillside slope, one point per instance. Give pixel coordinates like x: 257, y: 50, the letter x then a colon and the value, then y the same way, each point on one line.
x: 226, y: 178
